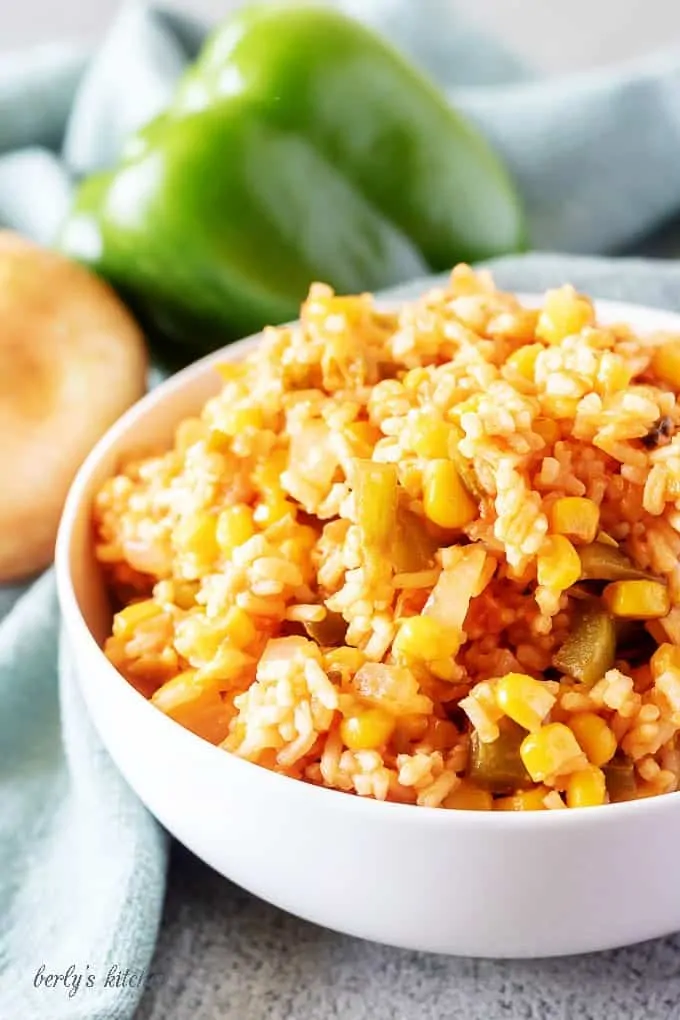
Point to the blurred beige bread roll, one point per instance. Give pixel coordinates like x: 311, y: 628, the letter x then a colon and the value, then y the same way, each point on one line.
x: 72, y: 359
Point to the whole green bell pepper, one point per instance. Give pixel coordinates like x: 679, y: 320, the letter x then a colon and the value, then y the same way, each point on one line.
x: 299, y: 147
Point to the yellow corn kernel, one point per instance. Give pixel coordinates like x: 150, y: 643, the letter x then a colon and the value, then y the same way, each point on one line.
x: 183, y: 593
x: 188, y: 432
x: 305, y: 537
x: 127, y: 620
x: 666, y: 363
x: 196, y: 704
x: 524, y: 700
x: 430, y: 439
x: 468, y: 797
x: 576, y: 517
x: 267, y: 475
x: 564, y: 313
x: 239, y: 627
x: 606, y: 539
x: 218, y: 441
x: 444, y: 669
x: 228, y: 664
x: 523, y: 360
x: 596, y: 739
x: 613, y: 374
x: 415, y: 378
x: 172, y: 690
x: 559, y: 407
x: 666, y: 657
x: 344, y: 660
x: 424, y: 638
x: 272, y: 510
x: 551, y: 750
x: 445, y: 499
x: 547, y: 429
x: 234, y: 527
x: 637, y: 600
x: 367, y: 729
x: 523, y: 800
x: 196, y: 535
x: 586, y: 788
x: 558, y: 563
x: 363, y: 433
x: 236, y: 420
x: 295, y: 551
x: 197, y: 638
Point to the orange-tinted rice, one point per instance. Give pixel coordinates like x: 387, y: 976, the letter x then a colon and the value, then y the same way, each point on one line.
x: 268, y: 590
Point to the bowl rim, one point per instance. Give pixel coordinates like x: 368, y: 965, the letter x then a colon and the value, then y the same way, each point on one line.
x: 387, y: 811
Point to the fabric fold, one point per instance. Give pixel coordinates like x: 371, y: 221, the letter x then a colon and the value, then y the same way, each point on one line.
x: 82, y: 863
x: 593, y: 154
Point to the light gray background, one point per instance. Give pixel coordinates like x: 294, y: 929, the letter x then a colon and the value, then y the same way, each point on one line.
x: 556, y: 35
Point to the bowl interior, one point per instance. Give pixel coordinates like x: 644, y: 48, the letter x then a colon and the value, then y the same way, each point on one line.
x: 150, y: 426
x: 147, y: 427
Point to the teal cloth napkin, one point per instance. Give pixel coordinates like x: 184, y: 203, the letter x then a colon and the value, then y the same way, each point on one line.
x: 82, y: 865
x: 594, y: 154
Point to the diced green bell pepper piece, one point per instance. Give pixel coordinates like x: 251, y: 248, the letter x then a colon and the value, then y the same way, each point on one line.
x: 498, y: 766
x: 590, y: 648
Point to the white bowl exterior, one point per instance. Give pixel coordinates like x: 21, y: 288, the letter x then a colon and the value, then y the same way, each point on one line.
x: 465, y: 883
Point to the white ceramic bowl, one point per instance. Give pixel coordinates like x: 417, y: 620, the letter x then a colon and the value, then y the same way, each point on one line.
x: 468, y: 883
